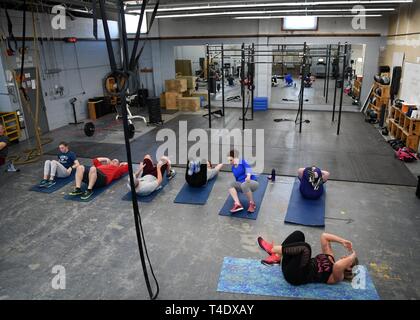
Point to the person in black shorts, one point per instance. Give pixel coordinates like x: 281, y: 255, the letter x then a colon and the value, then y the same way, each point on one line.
x: 299, y: 267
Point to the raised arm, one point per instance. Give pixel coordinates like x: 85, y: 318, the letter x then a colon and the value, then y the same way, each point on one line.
x: 342, y: 265
x: 75, y: 164
x: 327, y: 238
x: 104, y: 160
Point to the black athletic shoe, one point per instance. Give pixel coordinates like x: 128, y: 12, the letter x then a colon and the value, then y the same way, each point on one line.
x: 171, y: 174
x: 76, y: 192
x: 87, y: 194
x: 43, y: 183
x: 50, y: 183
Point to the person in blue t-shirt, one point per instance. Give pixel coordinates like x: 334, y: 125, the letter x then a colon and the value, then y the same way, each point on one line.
x: 245, y: 182
x: 61, y: 168
x: 311, y: 182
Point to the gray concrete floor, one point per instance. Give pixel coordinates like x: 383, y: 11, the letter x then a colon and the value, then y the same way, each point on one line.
x: 96, y: 241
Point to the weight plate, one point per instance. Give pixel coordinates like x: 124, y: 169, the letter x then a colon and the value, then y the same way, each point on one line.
x: 89, y: 129
x: 131, y: 130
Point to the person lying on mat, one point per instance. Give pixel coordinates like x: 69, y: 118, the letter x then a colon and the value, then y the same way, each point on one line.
x: 149, y: 177
x: 311, y: 182
x: 299, y: 268
x: 197, y: 177
x: 245, y: 182
x: 102, y: 173
x: 61, y: 168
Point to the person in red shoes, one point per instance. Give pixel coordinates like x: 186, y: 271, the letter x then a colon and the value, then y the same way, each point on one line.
x: 102, y: 173
x: 245, y: 182
x: 299, y: 267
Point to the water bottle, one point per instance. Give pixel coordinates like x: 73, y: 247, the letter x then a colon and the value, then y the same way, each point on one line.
x: 273, y: 175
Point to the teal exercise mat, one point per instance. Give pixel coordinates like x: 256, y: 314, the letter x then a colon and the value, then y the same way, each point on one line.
x: 258, y: 198
x: 192, y: 195
x: 249, y: 276
x: 59, y: 183
x: 304, y: 211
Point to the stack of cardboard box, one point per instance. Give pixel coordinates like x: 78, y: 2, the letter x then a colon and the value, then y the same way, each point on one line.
x: 180, y: 94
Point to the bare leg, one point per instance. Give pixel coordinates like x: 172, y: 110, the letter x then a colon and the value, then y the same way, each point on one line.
x: 218, y: 167
x: 159, y: 175
x: 300, y: 172
x: 79, y: 175
x: 325, y: 175
x: 93, y: 176
x: 277, y: 250
x: 250, y: 196
x: 165, y: 160
x: 234, y: 194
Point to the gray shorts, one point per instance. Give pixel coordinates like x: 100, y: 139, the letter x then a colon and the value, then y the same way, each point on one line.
x: 245, y: 187
x: 146, y: 185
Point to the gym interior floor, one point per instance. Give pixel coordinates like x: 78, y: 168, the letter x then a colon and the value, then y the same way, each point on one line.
x: 96, y: 241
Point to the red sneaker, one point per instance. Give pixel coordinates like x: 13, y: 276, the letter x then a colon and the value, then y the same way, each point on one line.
x: 270, y: 260
x: 267, y: 247
x: 236, y: 207
x: 252, y: 207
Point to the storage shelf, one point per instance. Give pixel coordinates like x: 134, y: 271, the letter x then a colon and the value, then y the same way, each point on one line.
x: 402, y: 127
x: 11, y: 131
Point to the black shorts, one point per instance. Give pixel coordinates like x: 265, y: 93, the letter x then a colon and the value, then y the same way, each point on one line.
x: 101, y: 180
x: 150, y: 168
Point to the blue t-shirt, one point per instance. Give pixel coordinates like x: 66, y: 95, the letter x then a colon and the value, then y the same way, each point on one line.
x: 67, y: 159
x: 306, y: 188
x: 242, y: 170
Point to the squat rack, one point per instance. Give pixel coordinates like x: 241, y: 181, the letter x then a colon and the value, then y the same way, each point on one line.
x: 303, y: 51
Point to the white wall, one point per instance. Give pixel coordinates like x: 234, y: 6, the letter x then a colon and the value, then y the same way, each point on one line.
x: 91, y: 55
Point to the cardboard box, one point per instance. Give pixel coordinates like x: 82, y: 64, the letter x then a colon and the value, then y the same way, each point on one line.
x: 191, y: 81
x: 176, y: 85
x: 183, y: 67
x: 163, y: 100
x: 188, y: 93
x: 188, y: 103
x: 171, y: 100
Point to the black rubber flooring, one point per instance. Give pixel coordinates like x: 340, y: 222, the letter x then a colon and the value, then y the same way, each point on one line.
x: 358, y: 154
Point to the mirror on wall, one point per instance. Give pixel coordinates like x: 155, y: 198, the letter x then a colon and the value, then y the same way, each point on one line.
x: 320, y: 77
x: 191, y: 61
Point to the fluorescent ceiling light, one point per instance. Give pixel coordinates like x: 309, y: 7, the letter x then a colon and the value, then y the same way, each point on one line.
x: 300, y: 23
x: 318, y: 16
x: 207, y: 14
x: 281, y: 4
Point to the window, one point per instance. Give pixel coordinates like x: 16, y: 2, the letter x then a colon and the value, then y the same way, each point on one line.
x: 131, y: 22
x: 300, y: 23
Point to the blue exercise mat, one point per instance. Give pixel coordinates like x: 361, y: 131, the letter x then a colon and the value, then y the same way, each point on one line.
x: 304, y: 211
x: 249, y: 276
x: 191, y: 195
x: 150, y: 197
x: 258, y: 197
x: 59, y: 183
